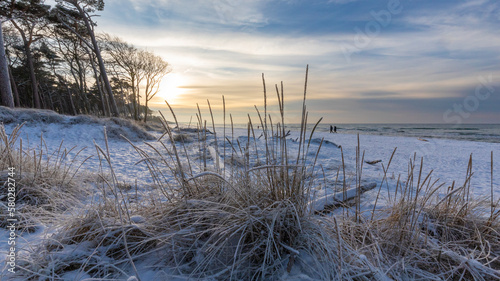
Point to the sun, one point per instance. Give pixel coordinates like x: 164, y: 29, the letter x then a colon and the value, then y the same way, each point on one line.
x: 171, y: 88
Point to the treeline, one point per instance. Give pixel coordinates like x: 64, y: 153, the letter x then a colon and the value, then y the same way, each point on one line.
x: 51, y: 58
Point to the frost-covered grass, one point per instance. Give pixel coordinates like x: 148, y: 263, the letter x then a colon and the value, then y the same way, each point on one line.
x: 47, y: 182
x: 242, y: 207
x: 116, y: 127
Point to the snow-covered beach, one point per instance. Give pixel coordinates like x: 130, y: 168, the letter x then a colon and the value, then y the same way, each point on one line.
x: 447, y: 159
x: 180, y: 140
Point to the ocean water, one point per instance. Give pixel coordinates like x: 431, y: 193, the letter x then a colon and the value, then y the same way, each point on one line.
x: 470, y: 132
x: 467, y: 132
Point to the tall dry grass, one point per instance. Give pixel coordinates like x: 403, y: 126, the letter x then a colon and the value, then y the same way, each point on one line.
x: 239, y: 208
x: 46, y: 182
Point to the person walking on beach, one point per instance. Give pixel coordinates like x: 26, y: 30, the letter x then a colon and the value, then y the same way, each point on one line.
x: 331, y: 129
x: 335, y: 129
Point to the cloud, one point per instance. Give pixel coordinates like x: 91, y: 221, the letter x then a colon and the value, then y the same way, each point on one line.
x: 426, y: 58
x: 341, y: 1
x: 208, y: 13
x: 379, y: 94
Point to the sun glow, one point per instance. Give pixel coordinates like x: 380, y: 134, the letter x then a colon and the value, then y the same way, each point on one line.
x: 170, y: 88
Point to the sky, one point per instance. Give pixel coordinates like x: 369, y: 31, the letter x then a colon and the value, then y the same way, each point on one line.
x: 370, y: 61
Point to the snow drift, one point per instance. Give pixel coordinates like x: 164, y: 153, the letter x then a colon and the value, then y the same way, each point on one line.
x: 115, y: 127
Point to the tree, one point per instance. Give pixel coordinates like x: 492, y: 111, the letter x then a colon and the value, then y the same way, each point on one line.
x: 11, y: 42
x: 52, y: 59
x: 27, y: 16
x: 74, y: 11
x: 129, y: 59
x: 5, y: 87
x: 72, y: 65
x: 140, y: 67
x: 155, y: 68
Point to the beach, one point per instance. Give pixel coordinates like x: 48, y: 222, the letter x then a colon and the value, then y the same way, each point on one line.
x: 328, y: 158
x: 446, y: 158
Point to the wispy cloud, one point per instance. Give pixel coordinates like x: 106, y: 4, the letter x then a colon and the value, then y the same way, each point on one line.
x: 208, y: 13
x: 427, y: 57
x: 341, y: 1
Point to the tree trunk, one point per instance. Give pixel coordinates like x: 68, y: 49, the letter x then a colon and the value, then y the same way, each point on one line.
x: 134, y: 105
x: 134, y: 98
x: 146, y: 96
x: 49, y: 102
x: 138, y: 96
x: 14, y: 89
x: 107, y: 85
x: 122, y: 100
x: 98, y: 80
x: 29, y: 58
x: 105, y: 100
x: 80, y: 81
x: 34, y: 82
x: 5, y: 87
x: 73, y: 109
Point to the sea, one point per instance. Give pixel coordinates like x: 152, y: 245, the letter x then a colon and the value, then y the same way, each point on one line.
x: 469, y: 132
x: 466, y: 132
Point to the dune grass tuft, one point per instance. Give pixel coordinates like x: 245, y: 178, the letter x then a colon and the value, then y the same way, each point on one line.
x: 240, y: 208
x: 46, y: 182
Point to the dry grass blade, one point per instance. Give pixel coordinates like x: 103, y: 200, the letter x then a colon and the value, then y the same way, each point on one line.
x: 256, y: 220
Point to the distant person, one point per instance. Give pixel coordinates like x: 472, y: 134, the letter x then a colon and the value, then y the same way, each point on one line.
x: 335, y: 129
x: 331, y: 129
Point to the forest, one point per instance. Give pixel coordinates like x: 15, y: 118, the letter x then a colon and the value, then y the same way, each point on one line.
x: 51, y: 57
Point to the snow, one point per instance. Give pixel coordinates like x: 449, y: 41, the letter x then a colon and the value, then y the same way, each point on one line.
x: 76, y: 275
x: 319, y: 204
x: 447, y: 159
x: 137, y: 219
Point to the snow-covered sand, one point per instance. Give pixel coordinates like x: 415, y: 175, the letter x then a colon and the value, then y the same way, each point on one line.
x: 448, y: 160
